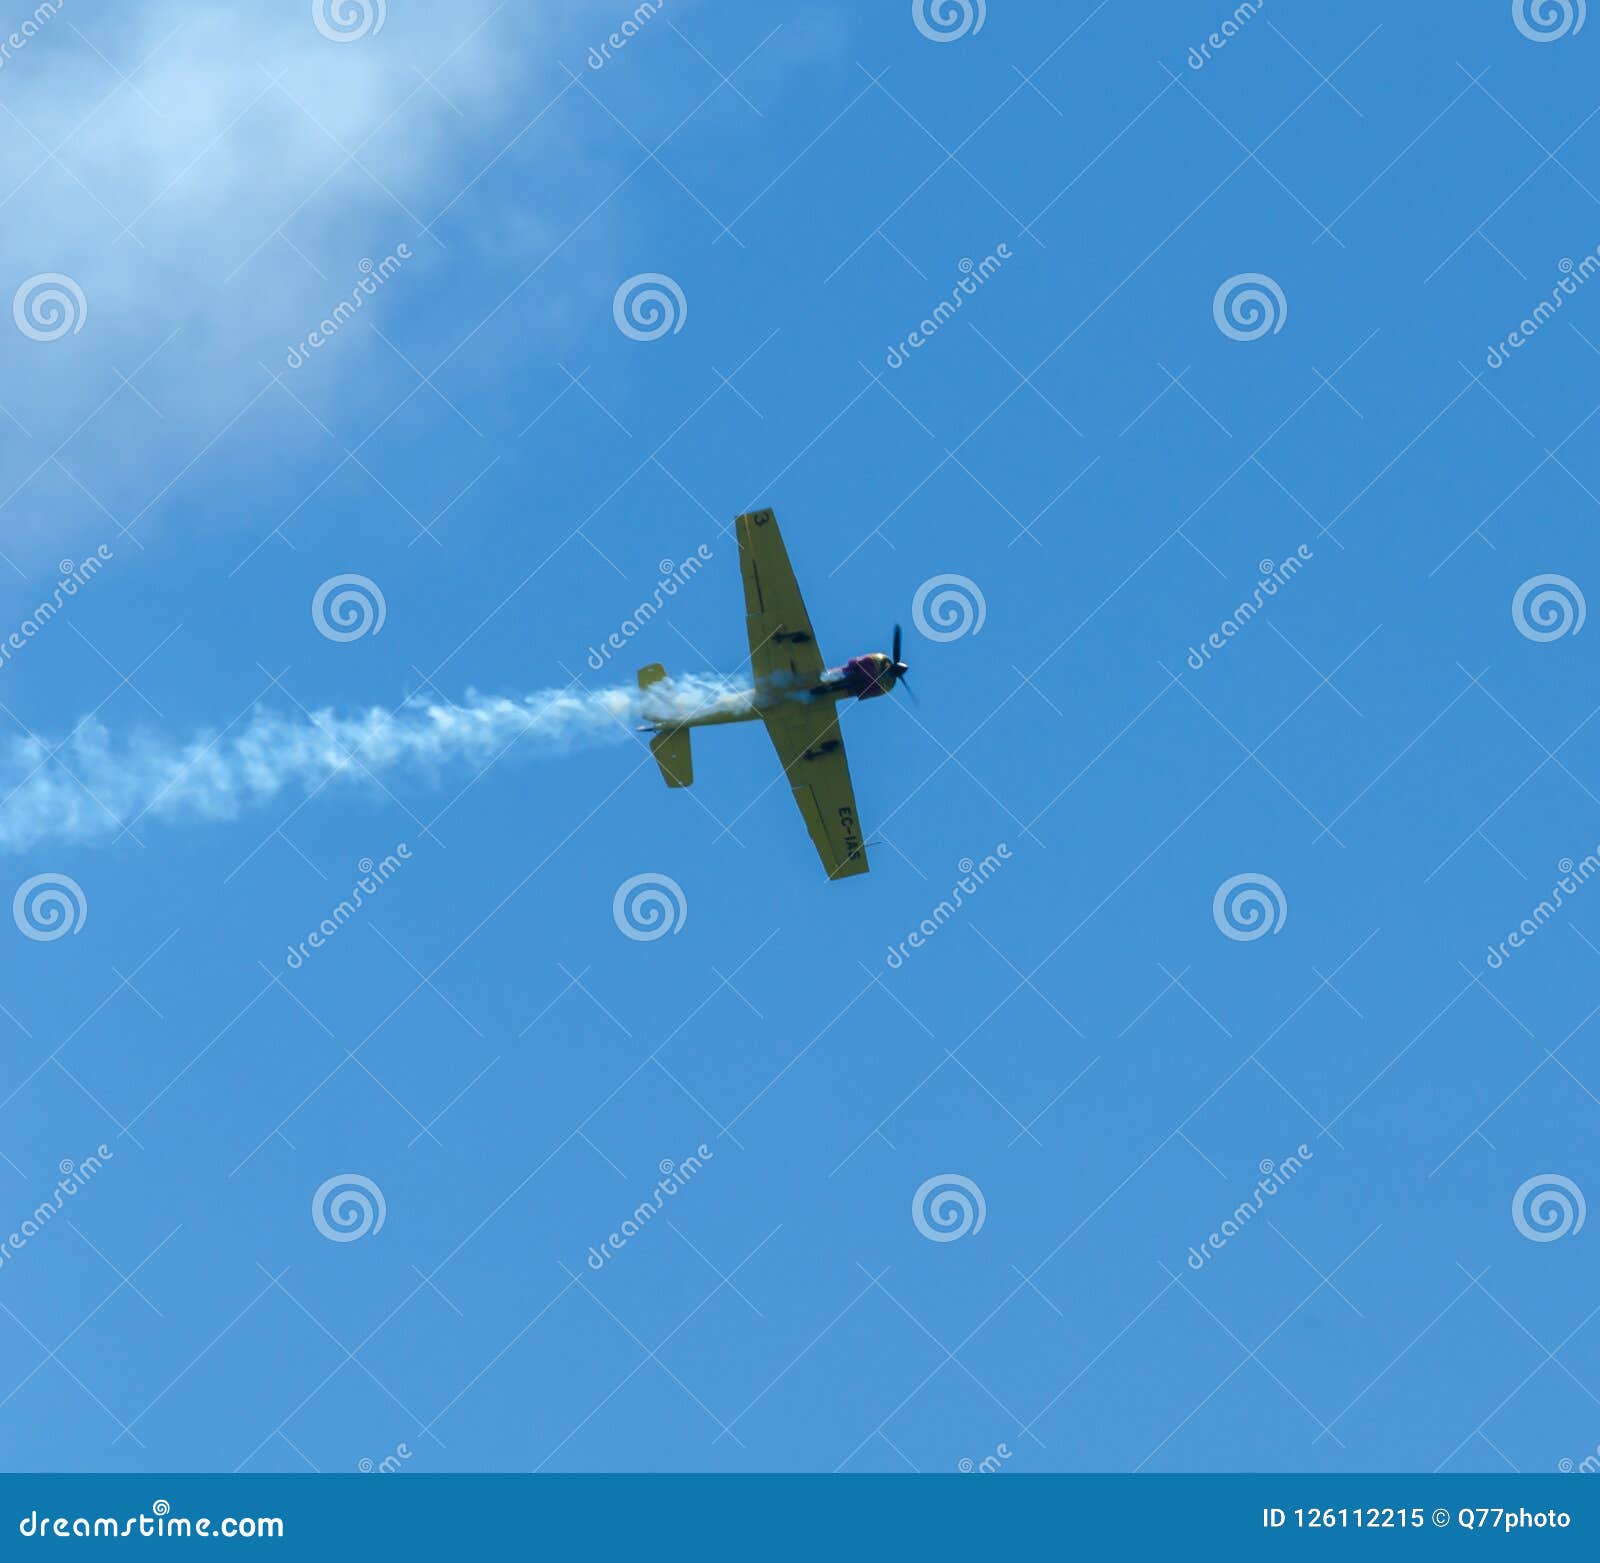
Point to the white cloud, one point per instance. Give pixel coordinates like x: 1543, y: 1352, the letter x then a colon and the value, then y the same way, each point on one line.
x: 193, y: 169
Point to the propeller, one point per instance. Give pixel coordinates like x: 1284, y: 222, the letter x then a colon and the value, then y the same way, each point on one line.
x: 900, y: 669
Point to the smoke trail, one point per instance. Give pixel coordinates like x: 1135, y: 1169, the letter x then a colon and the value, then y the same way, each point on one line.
x: 88, y: 788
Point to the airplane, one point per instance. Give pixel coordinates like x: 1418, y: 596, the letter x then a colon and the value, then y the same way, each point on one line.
x: 794, y: 694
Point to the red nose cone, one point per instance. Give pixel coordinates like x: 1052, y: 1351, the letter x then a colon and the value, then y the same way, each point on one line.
x: 872, y: 675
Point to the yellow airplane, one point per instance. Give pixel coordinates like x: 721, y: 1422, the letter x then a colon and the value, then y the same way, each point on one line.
x: 794, y: 694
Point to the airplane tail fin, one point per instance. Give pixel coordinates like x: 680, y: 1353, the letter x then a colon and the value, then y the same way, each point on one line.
x: 670, y: 745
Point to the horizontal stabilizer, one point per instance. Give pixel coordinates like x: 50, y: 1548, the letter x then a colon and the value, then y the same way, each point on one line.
x: 671, y: 750
x: 669, y: 746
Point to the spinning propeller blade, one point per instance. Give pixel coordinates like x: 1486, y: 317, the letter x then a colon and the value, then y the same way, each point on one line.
x: 900, y: 669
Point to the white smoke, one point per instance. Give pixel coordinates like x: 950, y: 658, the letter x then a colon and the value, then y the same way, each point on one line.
x: 89, y: 788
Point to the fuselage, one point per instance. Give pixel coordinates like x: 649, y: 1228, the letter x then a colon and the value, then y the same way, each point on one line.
x: 861, y: 678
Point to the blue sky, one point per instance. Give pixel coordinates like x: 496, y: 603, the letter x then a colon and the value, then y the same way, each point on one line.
x: 1103, y: 448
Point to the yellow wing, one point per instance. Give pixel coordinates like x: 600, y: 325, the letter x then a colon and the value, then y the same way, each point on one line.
x: 783, y: 651
x: 806, y: 736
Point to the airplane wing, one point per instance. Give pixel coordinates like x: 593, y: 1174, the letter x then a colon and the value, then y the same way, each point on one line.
x: 783, y: 651
x: 806, y: 736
